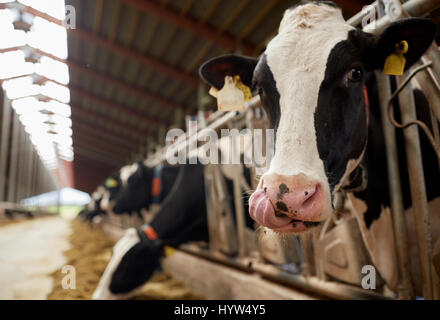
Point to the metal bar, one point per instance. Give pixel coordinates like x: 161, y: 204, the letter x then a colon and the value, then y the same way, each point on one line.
x: 12, y: 181
x: 412, y: 7
x: 20, y: 163
x: 312, y: 284
x: 4, y: 146
x: 417, y: 187
x: 29, y: 167
x: 430, y: 91
x: 357, y: 18
x: 405, y: 290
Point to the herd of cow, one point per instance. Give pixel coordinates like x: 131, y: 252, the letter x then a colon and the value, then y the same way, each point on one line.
x: 317, y: 85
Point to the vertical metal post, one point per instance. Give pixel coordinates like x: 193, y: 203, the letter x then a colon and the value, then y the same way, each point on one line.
x: 429, y: 90
x: 12, y: 181
x: 417, y: 187
x: 400, y: 233
x: 29, y: 169
x: 4, y: 146
x: 21, y: 164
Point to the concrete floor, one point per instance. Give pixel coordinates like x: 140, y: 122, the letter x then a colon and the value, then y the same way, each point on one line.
x: 29, y: 252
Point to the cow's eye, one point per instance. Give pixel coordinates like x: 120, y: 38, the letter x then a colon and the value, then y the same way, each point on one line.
x: 354, y: 75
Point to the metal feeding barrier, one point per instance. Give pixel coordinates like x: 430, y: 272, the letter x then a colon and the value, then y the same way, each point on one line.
x: 328, y: 261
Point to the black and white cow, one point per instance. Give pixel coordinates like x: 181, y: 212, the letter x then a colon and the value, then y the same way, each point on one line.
x: 311, y: 80
x: 181, y: 218
x: 144, y: 186
x: 103, y: 194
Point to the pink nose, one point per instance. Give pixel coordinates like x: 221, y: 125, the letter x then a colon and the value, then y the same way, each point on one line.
x: 287, y: 204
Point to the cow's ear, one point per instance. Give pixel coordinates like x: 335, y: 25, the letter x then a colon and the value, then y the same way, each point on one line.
x: 215, y: 70
x: 417, y: 32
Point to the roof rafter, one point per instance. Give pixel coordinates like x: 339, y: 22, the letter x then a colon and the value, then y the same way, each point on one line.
x: 104, y: 134
x: 123, y: 85
x: 92, y: 155
x: 96, y: 118
x: 85, y: 145
x: 172, y: 16
x: 101, y: 144
x: 116, y: 106
x: 144, y: 59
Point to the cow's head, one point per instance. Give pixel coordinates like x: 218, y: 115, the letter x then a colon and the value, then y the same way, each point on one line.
x: 136, y: 189
x: 113, y: 185
x: 311, y: 83
x: 134, y: 260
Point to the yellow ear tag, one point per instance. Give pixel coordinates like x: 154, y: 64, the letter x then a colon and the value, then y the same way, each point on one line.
x: 169, y: 251
x: 243, y: 88
x: 395, y: 62
x: 111, y: 183
x: 233, y: 95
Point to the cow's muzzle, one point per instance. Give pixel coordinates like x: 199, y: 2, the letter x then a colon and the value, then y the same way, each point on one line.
x: 287, y: 204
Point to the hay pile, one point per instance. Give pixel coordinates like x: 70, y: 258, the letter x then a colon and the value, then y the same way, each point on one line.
x: 89, y: 253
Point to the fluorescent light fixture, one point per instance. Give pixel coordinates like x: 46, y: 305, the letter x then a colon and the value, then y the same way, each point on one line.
x: 42, y: 106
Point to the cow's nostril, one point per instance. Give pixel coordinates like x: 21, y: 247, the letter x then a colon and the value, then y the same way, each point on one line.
x: 310, y: 195
x: 280, y: 214
x: 282, y: 206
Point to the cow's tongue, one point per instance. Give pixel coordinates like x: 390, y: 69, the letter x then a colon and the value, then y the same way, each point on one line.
x: 262, y: 211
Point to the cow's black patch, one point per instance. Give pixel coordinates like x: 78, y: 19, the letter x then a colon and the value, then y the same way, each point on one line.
x: 340, y: 116
x: 265, y: 84
x: 137, y: 194
x: 136, y: 267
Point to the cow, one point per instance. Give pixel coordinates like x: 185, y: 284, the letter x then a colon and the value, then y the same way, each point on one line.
x: 181, y: 218
x: 144, y: 186
x: 314, y: 79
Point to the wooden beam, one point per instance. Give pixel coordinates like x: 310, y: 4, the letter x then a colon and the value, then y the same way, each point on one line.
x: 257, y: 19
x: 99, y: 144
x: 134, y: 27
x: 92, y: 155
x: 142, y: 58
x: 98, y: 119
x: 196, y: 27
x: 105, y: 134
x: 125, y: 51
x: 78, y: 142
x: 139, y: 115
x: 146, y: 94
x: 96, y: 26
x: 115, y: 21
x: 141, y: 92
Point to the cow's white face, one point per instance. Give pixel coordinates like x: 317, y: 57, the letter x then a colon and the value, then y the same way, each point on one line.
x: 311, y: 81
x: 127, y: 172
x: 297, y: 58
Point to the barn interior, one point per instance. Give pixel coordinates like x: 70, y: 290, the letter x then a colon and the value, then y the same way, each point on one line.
x: 91, y: 88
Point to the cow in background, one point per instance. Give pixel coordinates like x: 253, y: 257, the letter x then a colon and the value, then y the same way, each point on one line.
x: 181, y: 218
x: 145, y: 186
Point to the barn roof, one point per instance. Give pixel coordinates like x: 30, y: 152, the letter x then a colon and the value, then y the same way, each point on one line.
x: 133, y: 68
